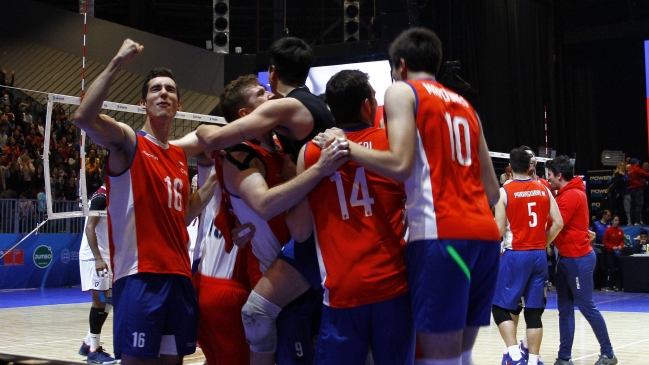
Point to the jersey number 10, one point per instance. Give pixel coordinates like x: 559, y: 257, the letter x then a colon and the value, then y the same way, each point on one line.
x: 454, y: 125
x: 360, y: 186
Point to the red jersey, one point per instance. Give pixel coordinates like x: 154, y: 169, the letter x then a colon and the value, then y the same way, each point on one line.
x: 573, y: 240
x: 527, y: 209
x: 270, y: 235
x: 146, y: 211
x: 446, y: 199
x: 613, y: 237
x: 359, y: 230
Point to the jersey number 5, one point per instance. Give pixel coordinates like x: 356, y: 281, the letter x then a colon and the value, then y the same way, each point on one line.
x: 174, y: 194
x: 360, y: 186
x: 532, y: 215
x: 454, y: 125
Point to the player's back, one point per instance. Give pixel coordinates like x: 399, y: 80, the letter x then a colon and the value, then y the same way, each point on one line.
x: 446, y: 198
x: 527, y: 209
x: 359, y: 229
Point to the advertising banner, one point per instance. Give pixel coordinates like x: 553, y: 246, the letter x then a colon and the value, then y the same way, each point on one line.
x: 42, y: 260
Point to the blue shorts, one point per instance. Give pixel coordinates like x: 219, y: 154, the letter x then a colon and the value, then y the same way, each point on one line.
x: 521, y: 274
x: 155, y: 314
x: 452, y: 283
x: 304, y: 258
x: 297, y: 326
x: 346, y: 334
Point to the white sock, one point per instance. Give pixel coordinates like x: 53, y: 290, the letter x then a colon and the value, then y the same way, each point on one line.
x: 87, y: 340
x: 533, y: 360
x: 94, y: 342
x: 467, y: 358
x: 454, y: 361
x: 514, y: 352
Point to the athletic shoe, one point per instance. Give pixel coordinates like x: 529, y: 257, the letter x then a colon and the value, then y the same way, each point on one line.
x: 563, y: 362
x: 83, y: 351
x: 507, y: 360
x: 100, y: 357
x: 605, y: 360
x: 525, y: 352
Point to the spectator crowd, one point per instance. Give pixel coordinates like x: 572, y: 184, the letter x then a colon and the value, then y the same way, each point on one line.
x: 22, y: 141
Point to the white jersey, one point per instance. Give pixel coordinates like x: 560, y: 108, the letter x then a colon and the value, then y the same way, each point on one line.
x: 210, y: 244
x: 97, y: 202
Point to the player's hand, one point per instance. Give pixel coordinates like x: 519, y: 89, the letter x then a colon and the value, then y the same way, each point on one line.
x: 242, y: 234
x: 325, y: 138
x: 101, y: 267
x: 333, y: 156
x: 591, y: 236
x: 288, y: 168
x: 128, y: 51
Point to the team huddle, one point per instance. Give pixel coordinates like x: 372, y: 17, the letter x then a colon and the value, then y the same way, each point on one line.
x: 323, y: 238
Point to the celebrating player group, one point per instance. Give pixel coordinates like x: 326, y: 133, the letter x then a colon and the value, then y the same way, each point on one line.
x: 322, y: 237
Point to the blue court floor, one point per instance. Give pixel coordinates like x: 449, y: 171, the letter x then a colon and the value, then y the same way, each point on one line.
x: 37, y: 297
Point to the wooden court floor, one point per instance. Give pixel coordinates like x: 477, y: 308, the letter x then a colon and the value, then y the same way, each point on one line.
x: 56, y: 332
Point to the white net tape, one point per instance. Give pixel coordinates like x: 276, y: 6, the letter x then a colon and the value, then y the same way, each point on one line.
x: 75, y: 100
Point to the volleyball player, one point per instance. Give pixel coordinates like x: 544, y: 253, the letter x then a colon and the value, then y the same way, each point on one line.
x: 148, y: 208
x: 96, y: 277
x: 359, y: 236
x: 437, y: 148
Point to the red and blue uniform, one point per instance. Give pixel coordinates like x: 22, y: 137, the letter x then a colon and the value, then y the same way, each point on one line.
x: 149, y: 253
x: 361, y: 251
x: 523, y: 267
x: 453, y: 235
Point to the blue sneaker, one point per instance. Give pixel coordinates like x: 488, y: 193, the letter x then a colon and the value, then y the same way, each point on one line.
x: 507, y: 360
x: 525, y: 352
x: 85, y: 349
x: 100, y: 357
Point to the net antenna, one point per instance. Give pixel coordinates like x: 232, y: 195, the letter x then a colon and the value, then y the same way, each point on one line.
x: 107, y: 105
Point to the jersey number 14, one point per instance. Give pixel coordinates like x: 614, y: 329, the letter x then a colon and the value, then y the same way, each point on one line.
x: 359, y: 188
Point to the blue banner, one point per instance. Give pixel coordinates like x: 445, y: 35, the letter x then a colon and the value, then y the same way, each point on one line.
x: 42, y: 260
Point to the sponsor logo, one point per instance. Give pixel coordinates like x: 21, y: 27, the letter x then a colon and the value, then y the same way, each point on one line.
x: 598, y: 191
x: 65, y: 256
x: 121, y: 107
x: 141, y: 110
x: 594, y: 205
x: 181, y: 115
x: 147, y: 154
x: 43, y: 256
x: 196, y: 116
x: 605, y: 178
x: 58, y: 98
x: 183, y: 171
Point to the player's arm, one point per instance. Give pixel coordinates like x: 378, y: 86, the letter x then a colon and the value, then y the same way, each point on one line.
x: 298, y: 218
x: 251, y: 186
x: 501, y: 213
x: 189, y: 144
x: 104, y: 130
x: 395, y: 163
x: 199, y: 200
x: 557, y: 221
x: 288, y: 115
x: 487, y: 175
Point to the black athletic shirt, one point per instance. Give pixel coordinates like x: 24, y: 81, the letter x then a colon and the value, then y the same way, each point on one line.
x: 322, y: 119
